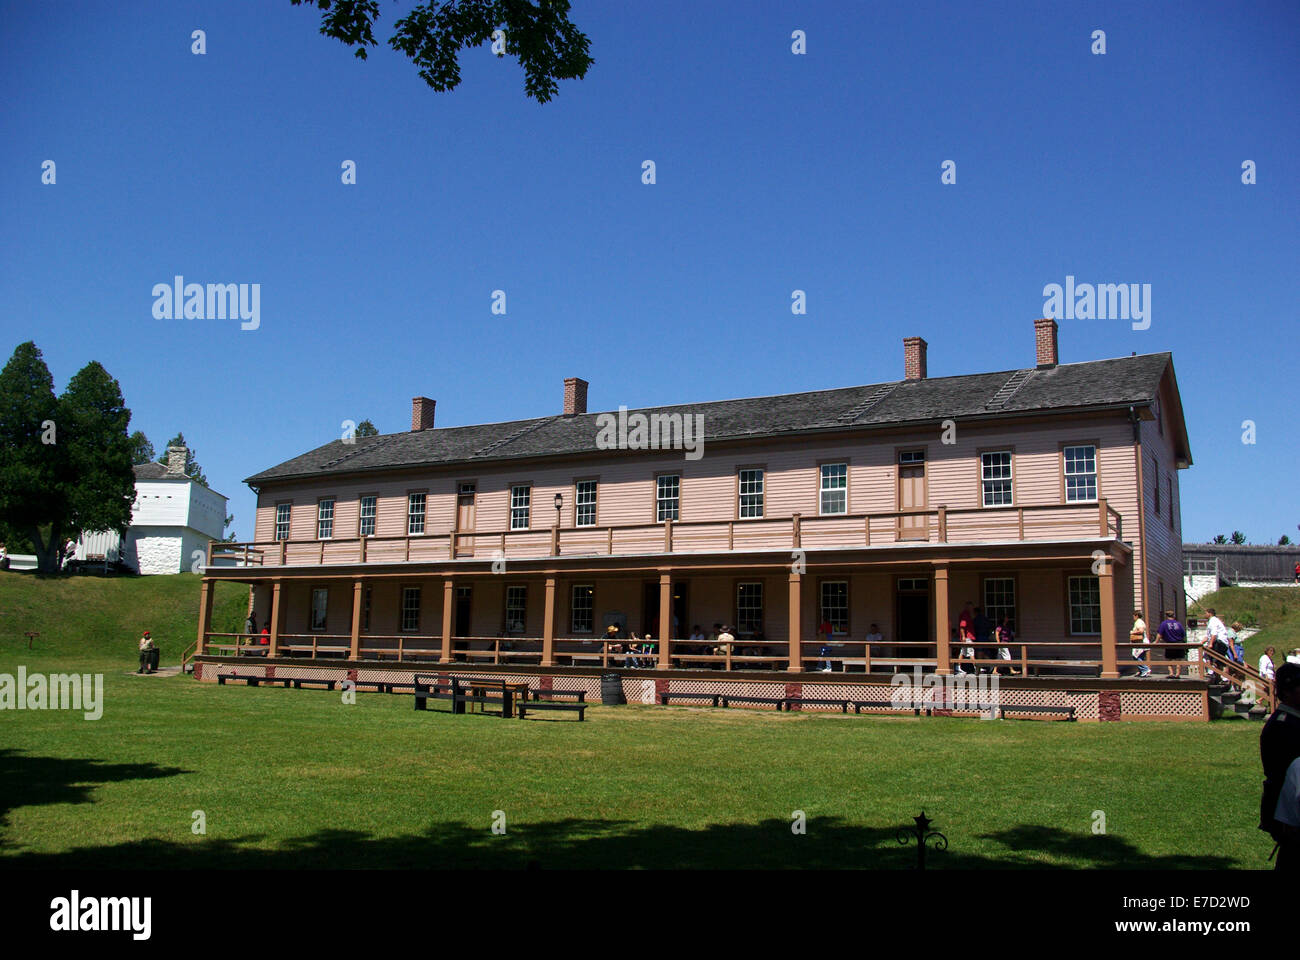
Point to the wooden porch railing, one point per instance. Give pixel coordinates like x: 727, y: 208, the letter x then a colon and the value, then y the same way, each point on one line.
x: 941, y: 525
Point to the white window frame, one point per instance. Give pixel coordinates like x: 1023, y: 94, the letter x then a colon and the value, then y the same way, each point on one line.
x: 834, y: 488
x: 750, y: 493
x: 373, y: 503
x: 840, y: 624
x: 521, y: 506
x: 415, y: 525
x: 997, y: 484
x: 325, y: 518
x: 283, y: 521
x: 1073, y: 472
x: 585, y: 493
x: 668, y: 507
x: 323, y: 593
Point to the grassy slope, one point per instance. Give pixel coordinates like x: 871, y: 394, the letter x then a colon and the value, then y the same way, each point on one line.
x: 298, y: 778
x: 1275, y: 610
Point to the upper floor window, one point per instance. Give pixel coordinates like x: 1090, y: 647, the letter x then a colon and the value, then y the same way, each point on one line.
x: 414, y: 514
x: 367, y: 526
x: 282, y: 513
x: 668, y: 498
x: 521, y: 499
x: 995, y: 478
x: 516, y: 608
x: 325, y: 519
x: 1080, y: 473
x: 751, y: 493
x: 911, y: 458
x: 584, y: 503
x: 834, y: 488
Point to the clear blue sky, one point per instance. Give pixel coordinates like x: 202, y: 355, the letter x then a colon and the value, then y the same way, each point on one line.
x: 775, y: 172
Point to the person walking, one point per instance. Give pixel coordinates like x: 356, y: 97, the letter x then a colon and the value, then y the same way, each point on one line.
x: 1279, y: 748
x: 1173, y: 634
x: 966, y: 631
x: 1005, y: 636
x: 824, y: 635
x: 1266, y: 668
x: 1138, y: 634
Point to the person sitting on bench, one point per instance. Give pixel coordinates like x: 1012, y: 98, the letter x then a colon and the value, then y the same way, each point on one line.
x: 146, y: 653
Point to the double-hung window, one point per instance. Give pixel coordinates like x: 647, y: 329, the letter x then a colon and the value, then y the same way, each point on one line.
x: 1080, y: 473
x: 324, y: 519
x: 516, y: 608
x: 368, y: 510
x: 410, y: 609
x: 995, y: 478
x: 668, y: 498
x: 521, y: 499
x: 584, y: 503
x: 834, y: 488
x: 751, y: 493
x: 415, y: 503
x: 282, y: 514
x: 1085, y: 605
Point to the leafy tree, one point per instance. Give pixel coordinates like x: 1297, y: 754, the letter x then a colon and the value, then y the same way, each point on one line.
x: 1284, y: 541
x: 1219, y: 538
x: 367, y: 429
x: 1238, y: 537
x: 67, y: 461
x: 31, y: 495
x: 192, y: 468
x: 230, y: 534
x: 141, y: 448
x: 538, y: 33
x: 93, y: 418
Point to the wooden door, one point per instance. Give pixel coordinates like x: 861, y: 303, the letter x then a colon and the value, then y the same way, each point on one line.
x: 912, y: 496
x: 465, y: 519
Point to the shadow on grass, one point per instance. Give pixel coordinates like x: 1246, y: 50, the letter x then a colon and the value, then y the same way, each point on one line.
x: 830, y: 843
x: 30, y: 781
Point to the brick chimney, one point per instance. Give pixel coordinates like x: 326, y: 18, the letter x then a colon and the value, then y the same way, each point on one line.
x: 575, y: 396
x: 176, y: 457
x: 914, y: 358
x: 422, y: 413
x: 1045, y: 342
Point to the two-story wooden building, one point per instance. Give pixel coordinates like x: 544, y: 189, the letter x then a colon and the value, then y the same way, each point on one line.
x: 1047, y: 495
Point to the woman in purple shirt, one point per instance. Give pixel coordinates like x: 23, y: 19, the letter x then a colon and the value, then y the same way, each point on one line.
x: 1171, y: 631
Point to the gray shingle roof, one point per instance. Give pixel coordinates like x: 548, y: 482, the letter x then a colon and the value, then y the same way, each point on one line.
x: 149, y: 471
x: 1071, y: 386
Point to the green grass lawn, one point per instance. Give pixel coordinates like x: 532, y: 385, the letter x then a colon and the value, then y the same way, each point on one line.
x: 292, y: 778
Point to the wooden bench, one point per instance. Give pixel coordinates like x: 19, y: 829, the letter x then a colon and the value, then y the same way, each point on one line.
x: 817, y: 701
x: 299, y: 681
x: 536, y: 695
x: 879, y: 706
x: 385, y: 686
x: 249, y: 679
x: 526, y: 707
x: 728, y: 699
x: 666, y: 698
x: 1066, y: 712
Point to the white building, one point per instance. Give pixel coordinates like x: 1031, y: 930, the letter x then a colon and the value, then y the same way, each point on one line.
x: 172, y: 521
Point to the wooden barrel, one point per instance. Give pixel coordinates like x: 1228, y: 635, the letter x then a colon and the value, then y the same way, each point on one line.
x: 611, y: 689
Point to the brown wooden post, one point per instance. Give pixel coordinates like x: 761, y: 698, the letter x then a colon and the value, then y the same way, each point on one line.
x: 277, y: 613
x: 448, y: 599
x: 795, y: 533
x: 943, y: 523
x: 284, y: 552
x: 942, y: 630
x: 796, y: 647
x: 867, y: 528
x: 1101, y: 510
x: 611, y: 541
x: 209, y: 555
x: 205, y: 616
x: 731, y: 535
x: 668, y: 536
x: 361, y: 551
x: 357, y: 589
x: 1106, y: 583
x: 665, y: 620
x: 555, y: 541
x: 1020, y: 520
x: 548, y: 625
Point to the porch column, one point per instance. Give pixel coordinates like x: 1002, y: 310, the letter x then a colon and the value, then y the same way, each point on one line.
x: 548, y: 625
x: 942, y: 628
x: 357, y: 588
x: 665, y: 620
x: 448, y: 601
x: 1106, y: 585
x: 796, y: 648
x: 205, y: 617
x: 277, y: 611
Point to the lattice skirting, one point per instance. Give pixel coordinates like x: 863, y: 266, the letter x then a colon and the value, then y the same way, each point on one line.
x: 1134, y: 704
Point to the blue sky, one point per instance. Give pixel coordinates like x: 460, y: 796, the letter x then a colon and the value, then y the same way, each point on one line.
x: 775, y: 172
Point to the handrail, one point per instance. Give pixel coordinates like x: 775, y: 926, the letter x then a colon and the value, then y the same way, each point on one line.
x: 1239, y: 674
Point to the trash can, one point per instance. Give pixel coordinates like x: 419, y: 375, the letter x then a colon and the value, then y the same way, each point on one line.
x: 611, y: 689
x: 154, y: 654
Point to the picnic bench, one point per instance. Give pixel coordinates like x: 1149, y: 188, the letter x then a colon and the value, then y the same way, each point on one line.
x: 536, y: 695
x: 728, y: 699
x: 666, y: 698
x: 526, y: 707
x: 817, y: 701
x: 253, y: 680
